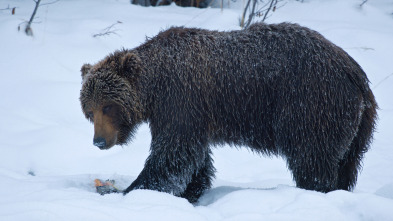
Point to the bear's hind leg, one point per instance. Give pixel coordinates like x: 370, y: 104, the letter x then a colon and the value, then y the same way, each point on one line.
x: 348, y: 172
x: 201, y: 181
x: 351, y: 164
x: 311, y: 172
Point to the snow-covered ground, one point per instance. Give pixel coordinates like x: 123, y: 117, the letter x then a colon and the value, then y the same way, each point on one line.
x: 48, y: 163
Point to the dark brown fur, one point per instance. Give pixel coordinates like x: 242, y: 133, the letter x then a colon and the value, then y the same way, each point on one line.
x: 278, y: 89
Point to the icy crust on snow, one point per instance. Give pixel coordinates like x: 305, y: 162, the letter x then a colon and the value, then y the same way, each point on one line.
x: 74, y: 198
x: 48, y: 163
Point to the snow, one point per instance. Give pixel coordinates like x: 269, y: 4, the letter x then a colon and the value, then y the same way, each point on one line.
x: 48, y: 163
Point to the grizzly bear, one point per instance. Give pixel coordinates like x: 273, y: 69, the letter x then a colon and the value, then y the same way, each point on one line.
x: 278, y: 89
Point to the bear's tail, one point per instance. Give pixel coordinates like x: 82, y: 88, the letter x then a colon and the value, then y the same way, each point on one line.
x: 352, y: 162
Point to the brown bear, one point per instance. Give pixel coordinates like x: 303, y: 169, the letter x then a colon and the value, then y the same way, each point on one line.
x: 278, y: 89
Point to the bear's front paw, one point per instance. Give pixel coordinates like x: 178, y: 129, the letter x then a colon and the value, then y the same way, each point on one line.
x: 137, y: 184
x: 173, y: 186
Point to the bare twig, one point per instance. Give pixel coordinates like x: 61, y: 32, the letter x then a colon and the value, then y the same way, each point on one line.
x: 244, y: 14
x: 252, y: 14
x: 265, y: 11
x: 12, y: 9
x: 364, y: 2
x: 381, y: 81
x: 362, y: 48
x: 49, y: 3
x: 272, y: 6
x: 108, y: 30
x: 8, y: 8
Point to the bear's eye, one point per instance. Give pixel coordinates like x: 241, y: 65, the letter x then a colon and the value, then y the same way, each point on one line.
x: 106, y: 109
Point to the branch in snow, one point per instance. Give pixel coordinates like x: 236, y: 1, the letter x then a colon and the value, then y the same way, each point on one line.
x: 28, y: 29
x: 108, y: 30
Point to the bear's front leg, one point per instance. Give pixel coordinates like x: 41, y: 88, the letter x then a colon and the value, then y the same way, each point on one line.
x: 201, y: 181
x: 172, y: 163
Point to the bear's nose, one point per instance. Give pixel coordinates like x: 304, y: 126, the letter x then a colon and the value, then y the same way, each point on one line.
x: 99, y: 142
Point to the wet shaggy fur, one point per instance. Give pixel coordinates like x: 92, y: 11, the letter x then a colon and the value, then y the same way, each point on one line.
x: 278, y: 89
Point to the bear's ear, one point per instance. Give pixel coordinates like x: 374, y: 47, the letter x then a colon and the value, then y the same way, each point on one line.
x: 131, y: 66
x: 85, y: 69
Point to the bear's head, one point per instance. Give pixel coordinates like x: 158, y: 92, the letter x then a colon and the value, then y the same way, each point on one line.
x: 110, y: 98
